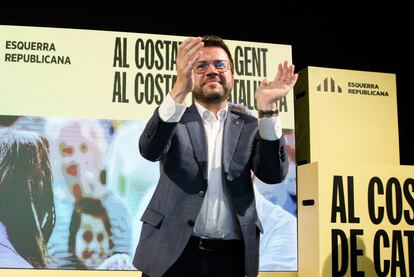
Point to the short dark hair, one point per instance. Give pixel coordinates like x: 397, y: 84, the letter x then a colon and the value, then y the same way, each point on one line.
x: 216, y: 41
x: 89, y: 206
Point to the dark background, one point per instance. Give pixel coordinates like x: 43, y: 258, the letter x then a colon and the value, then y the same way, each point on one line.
x: 374, y: 37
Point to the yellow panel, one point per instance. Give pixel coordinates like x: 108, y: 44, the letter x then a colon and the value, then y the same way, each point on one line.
x: 346, y: 115
x: 308, y: 218
x: 349, y: 221
x: 83, y: 83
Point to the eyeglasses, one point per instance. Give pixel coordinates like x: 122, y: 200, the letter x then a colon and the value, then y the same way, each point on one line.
x: 220, y: 65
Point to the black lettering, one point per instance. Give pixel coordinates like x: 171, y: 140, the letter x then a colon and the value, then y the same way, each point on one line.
x: 149, y: 54
x: 355, y: 252
x: 375, y: 182
x: 377, y: 253
x: 168, y: 83
x: 342, y: 243
x: 139, y: 62
x: 282, y: 105
x: 259, y: 61
x: 174, y: 51
x: 338, y: 195
x: 256, y: 84
x: 174, y: 77
x: 247, y: 61
x: 149, y: 89
x: 159, y: 63
x: 351, y: 207
x: 119, y: 92
x: 250, y: 61
x: 158, y: 54
x: 410, y: 239
x: 242, y: 93
x: 139, y: 95
x: 410, y: 200
x: 397, y: 256
x: 120, y: 53
x: 158, y: 81
x: 390, y: 199
x: 249, y: 95
x: 238, y: 53
x: 167, y: 55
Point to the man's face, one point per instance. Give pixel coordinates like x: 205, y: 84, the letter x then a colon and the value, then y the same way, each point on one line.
x: 92, y: 241
x: 212, y: 86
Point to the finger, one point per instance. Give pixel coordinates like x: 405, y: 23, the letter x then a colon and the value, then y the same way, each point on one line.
x: 291, y: 70
x: 183, y: 45
x: 193, y: 53
x: 264, y: 83
x: 186, y: 42
x: 186, y: 46
x: 279, y: 73
x: 290, y: 75
x: 193, y: 46
x: 294, y: 79
x: 282, y: 72
x: 194, y: 59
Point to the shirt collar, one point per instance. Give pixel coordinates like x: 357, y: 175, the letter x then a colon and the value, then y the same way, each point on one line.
x: 209, y: 116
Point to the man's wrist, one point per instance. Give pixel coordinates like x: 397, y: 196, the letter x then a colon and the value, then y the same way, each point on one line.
x: 178, y: 95
x: 267, y: 113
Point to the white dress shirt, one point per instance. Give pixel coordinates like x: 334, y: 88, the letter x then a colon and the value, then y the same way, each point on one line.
x: 216, y: 218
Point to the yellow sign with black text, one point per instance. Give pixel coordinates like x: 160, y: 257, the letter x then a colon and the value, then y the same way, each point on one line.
x: 89, y: 94
x: 346, y: 115
x: 355, y: 219
x: 102, y: 74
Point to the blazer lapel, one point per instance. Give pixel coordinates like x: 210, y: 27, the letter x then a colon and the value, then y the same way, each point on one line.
x: 195, y: 129
x: 232, y: 130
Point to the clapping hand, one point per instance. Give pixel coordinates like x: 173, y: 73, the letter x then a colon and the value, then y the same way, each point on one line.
x: 270, y: 92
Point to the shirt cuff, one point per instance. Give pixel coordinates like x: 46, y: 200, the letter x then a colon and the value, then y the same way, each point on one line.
x: 170, y: 111
x: 270, y: 128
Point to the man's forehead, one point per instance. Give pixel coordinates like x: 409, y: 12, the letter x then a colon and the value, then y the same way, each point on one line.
x: 213, y: 53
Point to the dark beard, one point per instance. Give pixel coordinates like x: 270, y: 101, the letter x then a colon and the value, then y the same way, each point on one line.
x: 213, y: 98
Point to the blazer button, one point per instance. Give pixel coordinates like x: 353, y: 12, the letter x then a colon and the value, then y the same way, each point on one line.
x: 201, y: 193
x: 191, y: 222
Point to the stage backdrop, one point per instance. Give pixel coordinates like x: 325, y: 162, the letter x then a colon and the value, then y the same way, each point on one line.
x: 90, y: 94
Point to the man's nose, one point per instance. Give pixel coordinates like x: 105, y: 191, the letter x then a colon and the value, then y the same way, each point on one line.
x: 211, y: 69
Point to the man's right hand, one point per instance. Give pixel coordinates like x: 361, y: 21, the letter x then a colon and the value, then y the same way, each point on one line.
x: 188, y: 54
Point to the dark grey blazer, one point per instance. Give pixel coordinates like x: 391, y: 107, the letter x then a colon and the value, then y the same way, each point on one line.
x: 182, y: 151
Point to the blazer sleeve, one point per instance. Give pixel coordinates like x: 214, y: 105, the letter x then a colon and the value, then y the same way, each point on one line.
x: 270, y: 160
x: 155, y: 140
